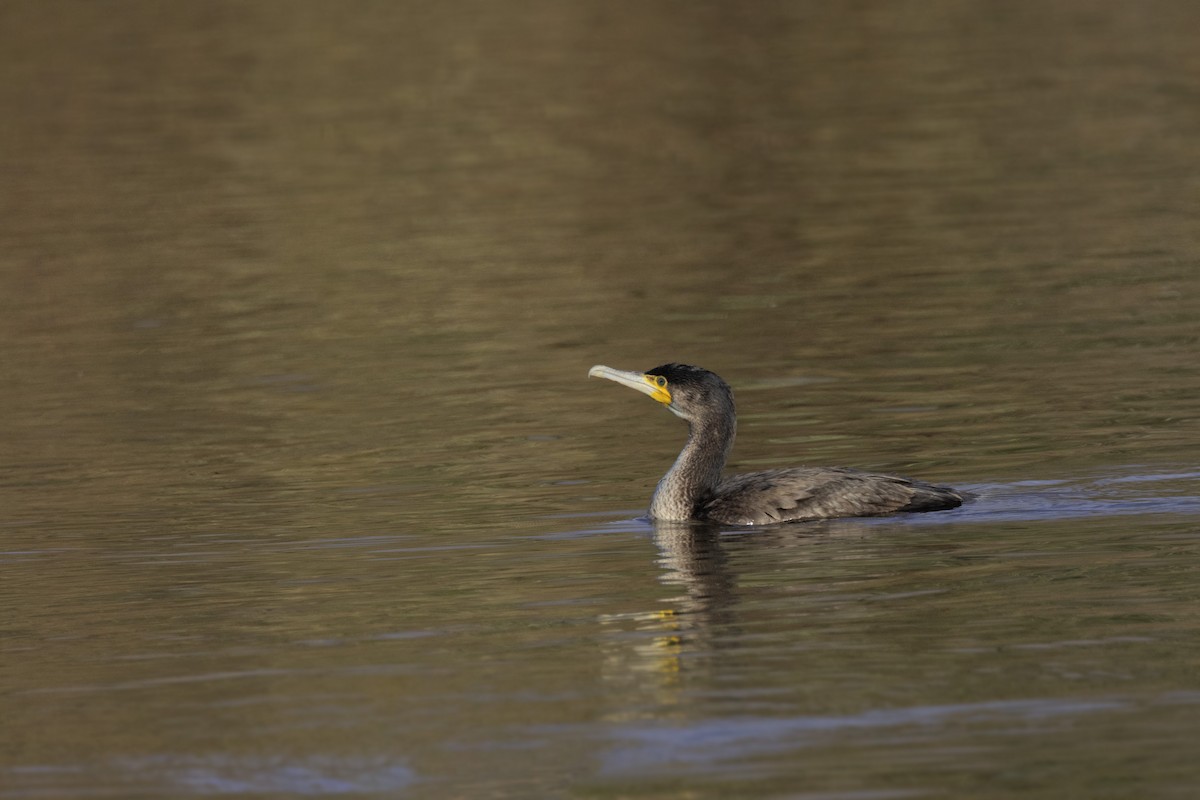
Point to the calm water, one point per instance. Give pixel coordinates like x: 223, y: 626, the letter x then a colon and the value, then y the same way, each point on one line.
x: 304, y: 491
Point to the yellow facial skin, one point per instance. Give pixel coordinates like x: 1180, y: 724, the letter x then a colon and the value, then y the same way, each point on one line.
x: 659, y: 392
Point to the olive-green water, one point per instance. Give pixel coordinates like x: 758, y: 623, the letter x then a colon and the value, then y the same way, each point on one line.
x: 304, y: 490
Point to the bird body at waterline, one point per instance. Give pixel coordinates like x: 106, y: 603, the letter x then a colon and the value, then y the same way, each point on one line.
x: 694, y: 489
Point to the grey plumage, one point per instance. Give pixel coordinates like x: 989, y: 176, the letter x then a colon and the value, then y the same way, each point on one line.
x: 693, y: 487
x: 789, y: 495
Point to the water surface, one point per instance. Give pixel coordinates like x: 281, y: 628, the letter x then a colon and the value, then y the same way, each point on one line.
x: 304, y: 490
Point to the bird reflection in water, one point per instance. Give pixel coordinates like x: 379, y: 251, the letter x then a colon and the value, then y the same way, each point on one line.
x: 676, y: 639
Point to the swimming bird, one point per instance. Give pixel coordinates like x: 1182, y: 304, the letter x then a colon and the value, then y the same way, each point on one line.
x: 693, y: 488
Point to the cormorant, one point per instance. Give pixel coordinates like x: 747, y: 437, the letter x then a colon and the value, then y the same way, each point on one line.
x: 693, y: 488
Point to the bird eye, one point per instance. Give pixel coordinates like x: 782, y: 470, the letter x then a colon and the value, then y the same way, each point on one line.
x: 660, y: 381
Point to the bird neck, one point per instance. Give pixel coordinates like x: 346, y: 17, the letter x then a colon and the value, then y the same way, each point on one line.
x: 695, y: 474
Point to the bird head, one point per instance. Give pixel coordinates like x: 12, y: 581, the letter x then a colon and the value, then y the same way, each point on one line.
x: 689, y: 392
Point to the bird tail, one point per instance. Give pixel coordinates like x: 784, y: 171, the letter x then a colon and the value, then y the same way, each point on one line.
x: 932, y: 498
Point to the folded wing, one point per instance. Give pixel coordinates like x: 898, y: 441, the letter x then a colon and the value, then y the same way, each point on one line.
x: 802, y: 493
